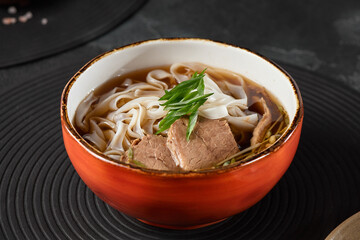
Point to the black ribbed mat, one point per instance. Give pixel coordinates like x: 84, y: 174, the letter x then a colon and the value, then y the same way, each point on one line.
x: 42, y: 197
x: 70, y: 23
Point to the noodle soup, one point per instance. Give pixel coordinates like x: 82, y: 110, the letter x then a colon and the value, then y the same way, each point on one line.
x: 122, y: 118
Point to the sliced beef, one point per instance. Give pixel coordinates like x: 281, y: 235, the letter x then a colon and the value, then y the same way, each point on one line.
x: 151, y: 151
x: 210, y: 142
x: 260, y: 130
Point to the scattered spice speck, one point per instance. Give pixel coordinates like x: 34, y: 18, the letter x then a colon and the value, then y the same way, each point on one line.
x: 44, y: 21
x: 24, y: 18
x: 12, y: 10
x: 8, y: 20
x: 20, y: 18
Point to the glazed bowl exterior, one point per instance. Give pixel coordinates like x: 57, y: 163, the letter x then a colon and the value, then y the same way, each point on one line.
x: 187, y: 199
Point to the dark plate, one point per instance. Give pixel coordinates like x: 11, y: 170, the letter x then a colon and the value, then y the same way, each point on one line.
x: 347, y: 230
x: 70, y: 23
x: 42, y: 197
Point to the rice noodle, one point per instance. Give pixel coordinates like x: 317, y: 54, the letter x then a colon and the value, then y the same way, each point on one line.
x: 113, y: 120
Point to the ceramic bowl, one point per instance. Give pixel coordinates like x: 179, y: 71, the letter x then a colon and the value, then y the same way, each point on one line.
x: 188, y: 199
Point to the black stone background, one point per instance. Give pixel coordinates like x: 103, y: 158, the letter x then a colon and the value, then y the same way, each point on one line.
x: 316, y: 41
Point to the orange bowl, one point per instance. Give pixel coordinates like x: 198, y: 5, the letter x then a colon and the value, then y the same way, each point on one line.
x: 187, y: 199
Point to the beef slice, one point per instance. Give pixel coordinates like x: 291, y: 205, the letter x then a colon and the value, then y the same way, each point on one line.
x: 210, y: 142
x: 152, y: 152
x: 261, y: 128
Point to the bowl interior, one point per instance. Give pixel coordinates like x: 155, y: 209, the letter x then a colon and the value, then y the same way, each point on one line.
x: 165, y: 52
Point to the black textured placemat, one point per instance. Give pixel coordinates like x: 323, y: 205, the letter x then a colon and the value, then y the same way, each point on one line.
x: 42, y: 197
x: 70, y: 23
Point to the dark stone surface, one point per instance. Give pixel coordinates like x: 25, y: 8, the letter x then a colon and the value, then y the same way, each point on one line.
x: 321, y: 36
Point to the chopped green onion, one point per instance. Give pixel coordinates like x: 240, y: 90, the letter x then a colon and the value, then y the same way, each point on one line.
x: 184, y: 100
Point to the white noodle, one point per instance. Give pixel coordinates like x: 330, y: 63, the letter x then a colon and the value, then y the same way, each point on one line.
x: 120, y: 116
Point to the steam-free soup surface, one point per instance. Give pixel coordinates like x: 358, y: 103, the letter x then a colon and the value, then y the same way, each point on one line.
x: 121, y: 117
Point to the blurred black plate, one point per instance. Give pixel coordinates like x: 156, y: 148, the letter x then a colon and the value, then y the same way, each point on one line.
x: 70, y: 23
x: 42, y: 197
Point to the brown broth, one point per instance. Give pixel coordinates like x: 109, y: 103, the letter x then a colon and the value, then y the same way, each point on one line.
x: 253, y: 90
